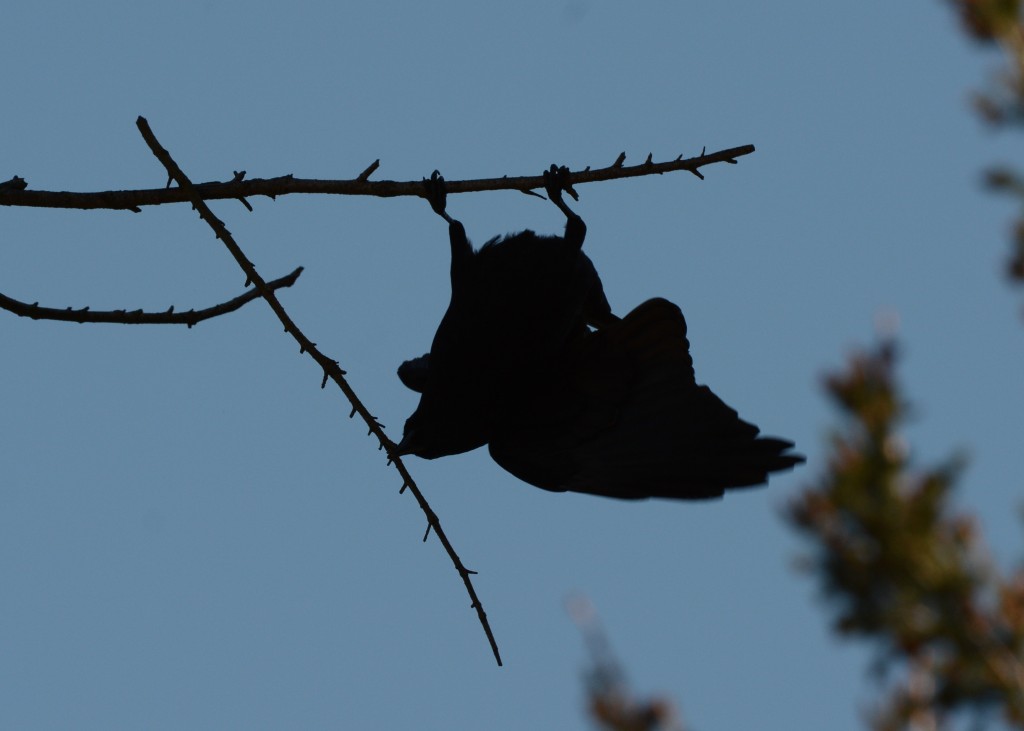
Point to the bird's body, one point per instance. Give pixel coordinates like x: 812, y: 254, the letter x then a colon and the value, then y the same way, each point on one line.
x: 530, y: 360
x: 516, y: 303
x: 519, y: 301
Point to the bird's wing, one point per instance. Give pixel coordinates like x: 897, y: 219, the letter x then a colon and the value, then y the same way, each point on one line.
x: 627, y: 420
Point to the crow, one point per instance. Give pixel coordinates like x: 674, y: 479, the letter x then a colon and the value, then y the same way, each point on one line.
x: 530, y: 360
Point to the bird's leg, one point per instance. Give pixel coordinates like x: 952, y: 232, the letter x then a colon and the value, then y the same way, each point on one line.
x: 598, y: 313
x: 556, y: 180
x: 436, y: 193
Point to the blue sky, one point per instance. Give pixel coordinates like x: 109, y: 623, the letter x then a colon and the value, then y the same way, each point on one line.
x: 193, y: 534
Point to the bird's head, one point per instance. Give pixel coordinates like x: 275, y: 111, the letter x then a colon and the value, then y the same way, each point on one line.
x: 434, y: 431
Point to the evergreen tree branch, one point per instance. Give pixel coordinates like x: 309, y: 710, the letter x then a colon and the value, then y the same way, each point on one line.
x: 902, y: 568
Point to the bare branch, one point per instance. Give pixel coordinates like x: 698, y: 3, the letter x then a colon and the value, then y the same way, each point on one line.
x: 272, y: 187
x: 330, y: 367
x: 138, y: 317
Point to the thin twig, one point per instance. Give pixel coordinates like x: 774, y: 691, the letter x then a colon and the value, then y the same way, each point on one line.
x: 330, y: 367
x: 138, y: 317
x: 361, y: 185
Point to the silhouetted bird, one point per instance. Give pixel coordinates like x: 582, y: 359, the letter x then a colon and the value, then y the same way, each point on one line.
x: 615, y: 411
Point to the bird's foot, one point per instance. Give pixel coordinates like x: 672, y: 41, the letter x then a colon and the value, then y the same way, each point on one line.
x: 436, y: 192
x: 556, y: 180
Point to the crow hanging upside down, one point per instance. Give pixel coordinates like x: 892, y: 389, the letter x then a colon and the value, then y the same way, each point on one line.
x: 530, y: 360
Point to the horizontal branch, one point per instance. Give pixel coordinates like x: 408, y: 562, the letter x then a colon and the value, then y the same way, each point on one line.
x: 238, y: 188
x: 138, y: 317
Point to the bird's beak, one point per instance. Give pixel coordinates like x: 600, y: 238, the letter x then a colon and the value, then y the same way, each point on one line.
x: 408, y: 444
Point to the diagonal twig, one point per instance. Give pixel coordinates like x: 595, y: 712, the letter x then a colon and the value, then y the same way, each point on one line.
x: 138, y: 317
x: 16, y: 195
x: 330, y: 367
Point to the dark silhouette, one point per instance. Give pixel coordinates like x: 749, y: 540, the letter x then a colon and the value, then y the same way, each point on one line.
x: 621, y: 415
x: 614, y: 410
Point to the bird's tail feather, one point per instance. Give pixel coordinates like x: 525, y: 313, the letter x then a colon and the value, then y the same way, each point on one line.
x: 671, y: 437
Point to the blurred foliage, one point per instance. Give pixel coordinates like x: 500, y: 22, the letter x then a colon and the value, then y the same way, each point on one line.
x: 988, y: 20
x: 899, y: 565
x: 999, y: 23
x: 610, y: 702
x: 902, y: 568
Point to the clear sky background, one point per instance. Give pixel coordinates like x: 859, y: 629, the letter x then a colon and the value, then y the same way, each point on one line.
x: 194, y: 535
